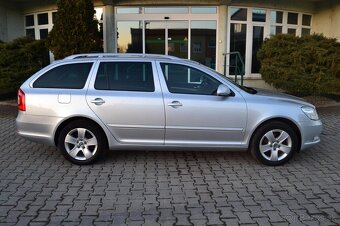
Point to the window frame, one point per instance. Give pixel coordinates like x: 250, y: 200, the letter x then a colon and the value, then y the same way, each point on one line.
x: 50, y: 23
x: 267, y: 32
x: 143, y: 17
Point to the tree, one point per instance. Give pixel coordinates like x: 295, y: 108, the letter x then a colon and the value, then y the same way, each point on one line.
x: 75, y: 30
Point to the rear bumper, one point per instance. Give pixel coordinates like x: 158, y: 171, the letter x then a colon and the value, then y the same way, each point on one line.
x: 37, y: 128
x: 310, y: 133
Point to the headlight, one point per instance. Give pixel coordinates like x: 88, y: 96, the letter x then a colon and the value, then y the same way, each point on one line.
x: 310, y: 112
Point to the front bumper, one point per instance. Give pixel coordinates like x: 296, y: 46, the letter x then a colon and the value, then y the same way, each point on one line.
x: 310, y: 133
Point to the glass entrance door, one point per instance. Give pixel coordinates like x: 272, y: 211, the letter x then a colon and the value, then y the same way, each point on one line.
x: 167, y: 37
x: 155, y: 37
x: 178, y: 38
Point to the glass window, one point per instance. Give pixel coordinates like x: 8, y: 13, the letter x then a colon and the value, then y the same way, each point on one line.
x: 43, y: 33
x: 258, y: 32
x: 292, y: 18
x: 42, y: 18
x: 68, y: 76
x: 306, y: 19
x: 161, y: 10
x: 305, y: 31
x: 125, y: 76
x: 238, y: 14
x: 259, y: 15
x: 130, y: 37
x: 187, y: 80
x: 129, y: 10
x: 29, y: 20
x: 30, y: 32
x: 204, y: 10
x: 291, y: 31
x: 238, y: 34
x: 275, y: 30
x: 203, y: 42
x: 277, y: 17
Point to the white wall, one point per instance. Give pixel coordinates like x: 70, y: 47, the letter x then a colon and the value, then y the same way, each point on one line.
x: 327, y: 21
x: 11, y: 23
x: 15, y: 24
x: 3, y: 24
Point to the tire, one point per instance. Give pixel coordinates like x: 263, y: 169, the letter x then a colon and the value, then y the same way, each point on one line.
x: 81, y: 142
x: 274, y: 143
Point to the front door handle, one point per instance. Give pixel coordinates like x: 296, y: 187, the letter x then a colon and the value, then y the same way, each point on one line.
x: 98, y: 101
x: 175, y: 104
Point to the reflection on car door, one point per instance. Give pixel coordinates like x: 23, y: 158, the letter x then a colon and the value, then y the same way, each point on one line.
x: 195, y: 115
x: 128, y: 99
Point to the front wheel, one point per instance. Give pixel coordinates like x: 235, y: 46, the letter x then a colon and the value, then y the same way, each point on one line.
x: 81, y: 142
x: 274, y: 143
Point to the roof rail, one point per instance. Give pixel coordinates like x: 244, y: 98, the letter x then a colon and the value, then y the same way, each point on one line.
x: 102, y: 55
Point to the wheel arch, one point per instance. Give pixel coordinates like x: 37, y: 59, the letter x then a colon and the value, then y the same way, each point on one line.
x: 280, y: 119
x: 76, y: 118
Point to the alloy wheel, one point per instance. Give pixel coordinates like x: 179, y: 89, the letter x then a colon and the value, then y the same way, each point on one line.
x: 81, y: 144
x: 275, y: 145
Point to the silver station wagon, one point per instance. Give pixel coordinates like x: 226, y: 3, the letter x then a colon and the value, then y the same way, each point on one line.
x: 88, y: 103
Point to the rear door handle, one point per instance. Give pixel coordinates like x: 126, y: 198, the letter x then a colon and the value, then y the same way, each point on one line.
x: 175, y: 104
x: 98, y: 101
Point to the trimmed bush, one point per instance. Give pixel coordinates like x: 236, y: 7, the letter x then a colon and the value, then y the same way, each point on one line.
x: 302, y: 66
x: 19, y: 59
x: 75, y: 30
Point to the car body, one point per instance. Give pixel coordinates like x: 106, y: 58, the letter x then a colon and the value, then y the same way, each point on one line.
x: 145, y: 101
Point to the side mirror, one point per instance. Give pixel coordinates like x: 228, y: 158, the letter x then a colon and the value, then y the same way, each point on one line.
x: 223, y: 90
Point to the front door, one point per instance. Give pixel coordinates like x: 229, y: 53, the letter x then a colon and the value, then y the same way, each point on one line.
x: 127, y: 97
x: 194, y: 114
x: 167, y: 37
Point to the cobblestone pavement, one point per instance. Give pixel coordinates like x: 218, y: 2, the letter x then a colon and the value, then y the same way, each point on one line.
x: 38, y: 187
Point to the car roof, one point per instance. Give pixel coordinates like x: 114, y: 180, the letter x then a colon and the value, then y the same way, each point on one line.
x: 120, y: 56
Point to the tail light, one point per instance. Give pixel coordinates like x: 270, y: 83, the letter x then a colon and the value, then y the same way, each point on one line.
x: 21, y: 101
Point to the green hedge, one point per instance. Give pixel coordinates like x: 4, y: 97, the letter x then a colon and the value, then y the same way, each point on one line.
x: 19, y: 59
x: 307, y: 65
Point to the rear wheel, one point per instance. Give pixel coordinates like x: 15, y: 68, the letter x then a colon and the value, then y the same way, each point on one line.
x: 274, y: 143
x: 81, y: 142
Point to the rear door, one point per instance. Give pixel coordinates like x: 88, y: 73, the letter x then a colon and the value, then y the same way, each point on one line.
x: 126, y: 96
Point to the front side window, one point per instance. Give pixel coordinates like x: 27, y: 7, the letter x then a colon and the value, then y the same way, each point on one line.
x: 125, y: 76
x: 187, y: 80
x: 67, y: 76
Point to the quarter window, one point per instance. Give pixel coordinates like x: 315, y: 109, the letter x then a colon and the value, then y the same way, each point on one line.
x: 125, y: 76
x: 187, y: 80
x: 68, y: 76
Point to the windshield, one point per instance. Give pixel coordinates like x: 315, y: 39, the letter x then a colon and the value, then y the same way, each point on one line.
x: 244, y: 88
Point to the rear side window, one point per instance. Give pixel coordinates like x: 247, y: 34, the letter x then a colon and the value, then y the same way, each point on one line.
x: 125, y: 76
x: 67, y: 76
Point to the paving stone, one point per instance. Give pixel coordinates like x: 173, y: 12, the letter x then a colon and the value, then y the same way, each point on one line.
x: 39, y: 187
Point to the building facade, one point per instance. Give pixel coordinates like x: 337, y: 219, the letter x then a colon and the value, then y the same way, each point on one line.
x: 204, y: 31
